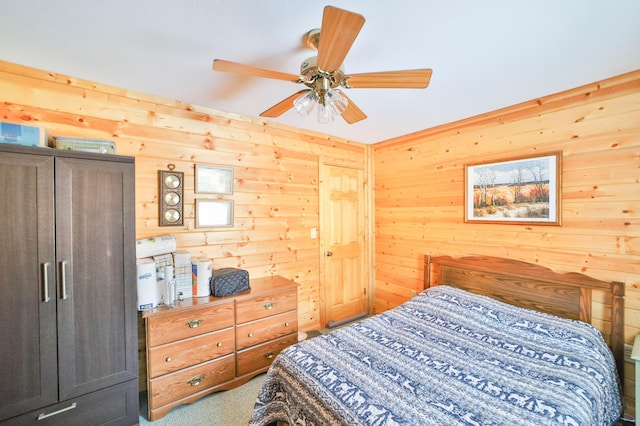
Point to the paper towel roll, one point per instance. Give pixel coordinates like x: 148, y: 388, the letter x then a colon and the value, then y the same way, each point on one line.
x: 201, y: 270
x: 147, y: 284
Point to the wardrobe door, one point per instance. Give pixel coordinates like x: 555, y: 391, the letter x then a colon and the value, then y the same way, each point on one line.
x: 95, y: 250
x: 28, y: 357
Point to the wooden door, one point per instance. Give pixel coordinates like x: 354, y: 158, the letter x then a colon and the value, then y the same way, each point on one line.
x: 342, y: 242
x: 28, y: 357
x: 95, y: 250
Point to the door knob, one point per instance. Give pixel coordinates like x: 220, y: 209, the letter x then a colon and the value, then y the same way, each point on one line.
x: 329, y: 253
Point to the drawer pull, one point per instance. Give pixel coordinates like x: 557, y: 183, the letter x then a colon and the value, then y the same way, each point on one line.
x: 43, y: 416
x: 219, y: 344
x: 194, y: 323
x: 250, y: 335
x: 286, y: 324
x: 169, y: 359
x: 196, y: 380
x: 269, y: 305
x: 269, y: 354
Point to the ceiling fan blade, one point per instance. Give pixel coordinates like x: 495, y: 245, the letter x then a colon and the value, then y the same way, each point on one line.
x: 234, y: 67
x: 281, y: 107
x: 410, y: 79
x: 353, y: 114
x: 337, y: 34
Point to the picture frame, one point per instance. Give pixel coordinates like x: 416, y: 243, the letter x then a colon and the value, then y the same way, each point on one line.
x: 213, y: 179
x: 214, y: 213
x: 521, y: 190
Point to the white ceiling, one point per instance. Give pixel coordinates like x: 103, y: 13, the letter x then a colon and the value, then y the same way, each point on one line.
x: 484, y: 54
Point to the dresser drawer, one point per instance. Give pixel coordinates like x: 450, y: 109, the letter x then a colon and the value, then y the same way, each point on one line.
x: 259, y: 331
x: 263, y: 355
x: 266, y: 305
x: 171, y: 357
x: 174, y: 386
x: 182, y: 324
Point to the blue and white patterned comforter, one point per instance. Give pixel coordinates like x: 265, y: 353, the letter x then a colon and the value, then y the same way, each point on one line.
x: 446, y: 357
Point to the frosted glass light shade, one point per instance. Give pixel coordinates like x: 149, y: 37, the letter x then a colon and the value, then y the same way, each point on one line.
x: 336, y: 101
x: 332, y: 105
x: 304, y: 104
x: 325, y: 114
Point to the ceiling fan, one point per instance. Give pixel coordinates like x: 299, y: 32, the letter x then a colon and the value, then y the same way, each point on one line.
x: 324, y: 74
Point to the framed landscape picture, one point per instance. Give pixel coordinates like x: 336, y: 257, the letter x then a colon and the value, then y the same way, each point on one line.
x: 523, y: 190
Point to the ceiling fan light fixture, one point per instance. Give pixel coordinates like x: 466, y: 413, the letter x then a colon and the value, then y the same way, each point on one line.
x: 305, y: 103
x: 325, y: 114
x: 336, y: 101
x: 331, y: 105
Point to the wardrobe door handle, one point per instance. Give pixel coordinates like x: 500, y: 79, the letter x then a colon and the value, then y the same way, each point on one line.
x: 63, y: 279
x: 45, y: 282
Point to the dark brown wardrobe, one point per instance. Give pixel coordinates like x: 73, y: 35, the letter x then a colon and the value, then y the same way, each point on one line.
x: 68, y: 320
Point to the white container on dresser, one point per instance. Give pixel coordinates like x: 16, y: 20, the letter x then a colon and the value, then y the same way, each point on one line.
x: 635, y: 356
x: 206, y: 345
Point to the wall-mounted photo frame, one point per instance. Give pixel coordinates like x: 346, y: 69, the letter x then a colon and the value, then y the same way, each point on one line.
x: 213, y: 179
x: 523, y: 190
x: 214, y: 213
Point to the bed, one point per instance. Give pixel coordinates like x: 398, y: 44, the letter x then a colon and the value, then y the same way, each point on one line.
x: 489, y: 341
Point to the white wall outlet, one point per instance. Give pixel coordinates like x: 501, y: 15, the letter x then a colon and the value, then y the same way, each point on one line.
x: 314, y: 233
x: 627, y: 353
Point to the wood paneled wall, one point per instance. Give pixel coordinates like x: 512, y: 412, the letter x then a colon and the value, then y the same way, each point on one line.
x: 419, y: 194
x: 276, y: 169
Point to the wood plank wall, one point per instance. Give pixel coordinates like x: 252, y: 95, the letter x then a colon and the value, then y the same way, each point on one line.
x: 276, y: 169
x: 419, y: 198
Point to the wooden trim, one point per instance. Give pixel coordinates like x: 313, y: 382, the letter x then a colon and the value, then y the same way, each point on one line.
x: 531, y: 286
x: 621, y: 83
x: 617, y: 325
x: 160, y: 105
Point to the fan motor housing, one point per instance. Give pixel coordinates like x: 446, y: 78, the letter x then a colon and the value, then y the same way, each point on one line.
x: 309, y: 69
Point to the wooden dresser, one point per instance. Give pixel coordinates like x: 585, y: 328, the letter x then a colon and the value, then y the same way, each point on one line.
x: 206, y: 345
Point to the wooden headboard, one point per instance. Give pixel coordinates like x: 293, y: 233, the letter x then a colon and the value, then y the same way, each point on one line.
x: 531, y: 286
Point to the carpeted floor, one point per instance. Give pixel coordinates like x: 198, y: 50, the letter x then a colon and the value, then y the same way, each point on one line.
x: 313, y: 333
x: 226, y: 408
